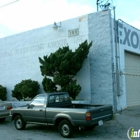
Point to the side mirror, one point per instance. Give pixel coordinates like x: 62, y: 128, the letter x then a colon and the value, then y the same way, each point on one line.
x: 30, y: 106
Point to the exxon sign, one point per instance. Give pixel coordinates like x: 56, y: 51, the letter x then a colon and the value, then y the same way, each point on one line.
x: 128, y: 35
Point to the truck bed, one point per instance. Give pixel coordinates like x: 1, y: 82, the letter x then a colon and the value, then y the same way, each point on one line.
x: 77, y: 112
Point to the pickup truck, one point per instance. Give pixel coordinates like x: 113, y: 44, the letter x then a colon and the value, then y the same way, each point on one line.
x: 58, y: 110
x: 4, y: 110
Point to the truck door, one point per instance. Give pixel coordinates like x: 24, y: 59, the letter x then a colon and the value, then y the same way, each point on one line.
x: 36, y: 111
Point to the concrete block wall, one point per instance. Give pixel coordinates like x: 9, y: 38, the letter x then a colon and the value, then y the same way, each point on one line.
x: 101, y: 57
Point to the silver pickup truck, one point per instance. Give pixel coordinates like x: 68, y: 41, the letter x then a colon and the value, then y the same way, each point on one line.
x: 4, y: 110
x: 58, y: 110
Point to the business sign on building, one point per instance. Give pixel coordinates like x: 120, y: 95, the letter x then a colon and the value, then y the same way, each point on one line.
x: 128, y: 35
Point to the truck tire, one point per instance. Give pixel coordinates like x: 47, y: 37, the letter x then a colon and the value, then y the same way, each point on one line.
x: 65, y: 128
x: 19, y: 123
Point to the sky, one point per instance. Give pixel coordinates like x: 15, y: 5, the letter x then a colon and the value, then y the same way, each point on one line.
x: 17, y: 16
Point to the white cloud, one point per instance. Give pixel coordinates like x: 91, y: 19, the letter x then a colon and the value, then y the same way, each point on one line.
x: 29, y: 14
x: 136, y: 24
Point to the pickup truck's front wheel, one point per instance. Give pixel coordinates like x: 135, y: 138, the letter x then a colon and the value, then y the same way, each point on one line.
x: 65, y: 128
x: 19, y: 123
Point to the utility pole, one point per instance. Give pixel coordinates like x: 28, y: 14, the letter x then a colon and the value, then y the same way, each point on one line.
x: 97, y: 4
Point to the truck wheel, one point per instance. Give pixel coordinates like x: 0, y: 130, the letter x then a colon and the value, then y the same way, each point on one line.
x: 19, y: 123
x: 65, y: 128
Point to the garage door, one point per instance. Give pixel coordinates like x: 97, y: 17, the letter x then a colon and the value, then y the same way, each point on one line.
x: 132, y: 74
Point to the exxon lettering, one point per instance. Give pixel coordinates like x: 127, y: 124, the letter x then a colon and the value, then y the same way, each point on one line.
x: 128, y: 37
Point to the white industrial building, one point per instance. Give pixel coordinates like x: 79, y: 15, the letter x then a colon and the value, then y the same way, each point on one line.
x: 110, y: 74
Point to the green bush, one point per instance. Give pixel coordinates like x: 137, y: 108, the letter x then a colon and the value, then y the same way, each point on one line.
x: 3, y: 93
x: 62, y: 66
x: 48, y: 85
x: 16, y: 92
x: 26, y: 88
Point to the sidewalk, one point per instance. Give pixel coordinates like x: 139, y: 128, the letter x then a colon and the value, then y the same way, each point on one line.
x: 123, y: 121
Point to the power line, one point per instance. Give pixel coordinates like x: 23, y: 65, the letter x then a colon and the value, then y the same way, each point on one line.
x: 9, y: 3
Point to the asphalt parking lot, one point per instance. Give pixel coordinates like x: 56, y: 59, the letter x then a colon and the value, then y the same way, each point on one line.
x: 114, y: 130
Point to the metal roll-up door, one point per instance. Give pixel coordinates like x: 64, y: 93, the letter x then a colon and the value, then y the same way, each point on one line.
x: 132, y: 77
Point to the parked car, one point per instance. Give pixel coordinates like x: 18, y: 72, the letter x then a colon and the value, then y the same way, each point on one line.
x: 4, y: 110
x: 58, y: 110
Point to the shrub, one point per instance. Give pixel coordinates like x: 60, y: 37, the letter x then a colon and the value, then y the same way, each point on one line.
x: 48, y: 85
x: 3, y: 93
x: 62, y: 66
x: 26, y: 88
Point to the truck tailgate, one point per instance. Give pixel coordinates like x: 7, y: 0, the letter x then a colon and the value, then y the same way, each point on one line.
x: 103, y: 112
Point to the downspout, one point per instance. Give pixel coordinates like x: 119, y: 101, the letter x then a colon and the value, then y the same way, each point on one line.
x: 116, y: 61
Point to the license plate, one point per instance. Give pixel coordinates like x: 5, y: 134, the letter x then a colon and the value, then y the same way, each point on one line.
x: 100, y: 122
x: 2, y: 108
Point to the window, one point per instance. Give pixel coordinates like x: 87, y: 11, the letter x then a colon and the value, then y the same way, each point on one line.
x: 58, y: 98
x: 52, y: 99
x: 38, y: 101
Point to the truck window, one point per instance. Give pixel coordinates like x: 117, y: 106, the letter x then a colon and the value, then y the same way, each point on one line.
x: 58, y: 98
x: 52, y: 99
x: 38, y: 101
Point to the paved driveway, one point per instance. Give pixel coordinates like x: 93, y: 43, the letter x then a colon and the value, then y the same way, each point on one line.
x: 113, y: 130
